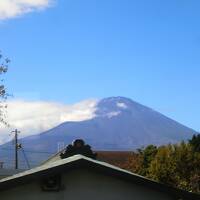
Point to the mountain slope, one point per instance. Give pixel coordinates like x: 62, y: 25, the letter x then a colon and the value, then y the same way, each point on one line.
x: 119, y: 124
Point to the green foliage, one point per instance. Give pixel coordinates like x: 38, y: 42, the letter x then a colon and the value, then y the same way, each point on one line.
x: 176, y: 165
x: 162, y: 166
x: 147, y: 155
x: 195, y: 143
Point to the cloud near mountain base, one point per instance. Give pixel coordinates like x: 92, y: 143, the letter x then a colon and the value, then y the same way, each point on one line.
x: 32, y: 117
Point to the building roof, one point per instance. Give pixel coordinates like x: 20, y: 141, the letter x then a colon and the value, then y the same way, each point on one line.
x: 117, y: 158
x: 79, y: 162
x: 8, y: 172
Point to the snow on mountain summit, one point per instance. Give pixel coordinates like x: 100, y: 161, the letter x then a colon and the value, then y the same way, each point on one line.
x: 113, y: 106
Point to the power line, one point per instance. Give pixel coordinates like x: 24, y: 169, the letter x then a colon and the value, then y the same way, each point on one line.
x: 29, y: 151
x: 16, y: 148
x: 29, y: 163
x: 45, y: 152
x: 25, y: 157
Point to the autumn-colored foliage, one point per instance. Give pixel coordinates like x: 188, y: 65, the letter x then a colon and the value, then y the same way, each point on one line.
x: 176, y: 165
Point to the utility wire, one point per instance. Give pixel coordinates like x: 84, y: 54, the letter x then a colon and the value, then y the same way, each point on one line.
x: 29, y: 151
x: 10, y: 161
x: 25, y: 157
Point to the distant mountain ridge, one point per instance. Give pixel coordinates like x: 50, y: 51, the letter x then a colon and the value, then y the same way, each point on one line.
x: 119, y: 124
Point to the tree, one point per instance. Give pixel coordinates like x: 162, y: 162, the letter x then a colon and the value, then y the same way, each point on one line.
x: 162, y: 167
x: 195, y: 142
x: 177, y: 165
x: 3, y: 93
x: 147, y: 155
x: 78, y: 147
x: 133, y: 163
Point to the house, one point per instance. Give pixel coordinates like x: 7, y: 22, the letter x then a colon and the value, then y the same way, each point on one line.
x: 79, y: 177
x: 8, y: 172
x: 117, y: 158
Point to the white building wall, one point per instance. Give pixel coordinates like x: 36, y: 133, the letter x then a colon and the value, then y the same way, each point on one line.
x: 85, y: 185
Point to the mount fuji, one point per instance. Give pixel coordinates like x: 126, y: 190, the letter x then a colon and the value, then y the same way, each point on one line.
x: 118, y: 124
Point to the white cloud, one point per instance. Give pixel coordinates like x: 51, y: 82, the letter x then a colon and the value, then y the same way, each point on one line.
x: 32, y: 117
x: 14, y: 8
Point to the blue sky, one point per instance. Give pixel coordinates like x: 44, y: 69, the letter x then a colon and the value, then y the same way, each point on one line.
x: 76, y: 50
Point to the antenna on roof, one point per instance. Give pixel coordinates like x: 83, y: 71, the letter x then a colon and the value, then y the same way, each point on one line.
x: 60, y: 146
